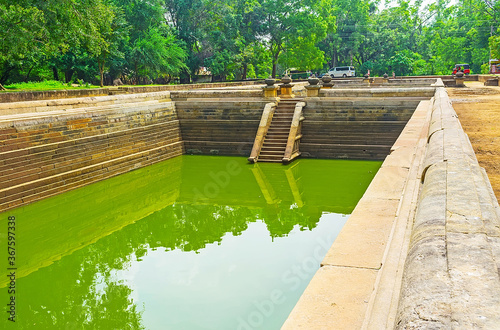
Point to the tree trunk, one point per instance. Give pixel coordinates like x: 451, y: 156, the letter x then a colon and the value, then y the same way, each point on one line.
x: 136, y: 80
x: 244, y: 74
x: 101, y: 71
x: 2, y: 88
x: 27, y: 78
x: 274, y: 58
x: 55, y: 72
x: 68, y: 75
x: 275, y: 62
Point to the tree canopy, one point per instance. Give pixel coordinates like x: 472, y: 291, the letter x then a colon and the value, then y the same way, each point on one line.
x: 142, y: 41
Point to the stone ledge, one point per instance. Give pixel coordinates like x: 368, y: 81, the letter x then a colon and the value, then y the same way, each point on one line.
x: 451, y: 277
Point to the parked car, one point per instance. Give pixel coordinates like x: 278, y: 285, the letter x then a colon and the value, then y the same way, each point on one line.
x: 342, y: 71
x: 461, y: 67
x: 297, y: 74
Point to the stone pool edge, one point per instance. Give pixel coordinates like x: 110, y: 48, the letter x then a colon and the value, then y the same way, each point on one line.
x: 383, y: 271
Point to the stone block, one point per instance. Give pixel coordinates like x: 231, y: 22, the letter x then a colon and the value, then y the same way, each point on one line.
x: 369, y: 225
x: 337, y: 297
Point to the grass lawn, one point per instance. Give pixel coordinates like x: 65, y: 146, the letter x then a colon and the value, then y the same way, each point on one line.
x: 50, y: 85
x: 43, y: 86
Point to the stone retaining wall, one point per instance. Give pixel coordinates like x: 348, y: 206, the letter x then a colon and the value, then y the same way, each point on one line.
x: 452, y: 271
x: 75, y: 93
x: 423, y: 92
x: 361, y: 128
x: 219, y: 126
x: 60, y: 148
x: 51, y: 146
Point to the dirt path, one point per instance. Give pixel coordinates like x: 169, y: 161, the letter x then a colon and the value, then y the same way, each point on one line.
x: 478, y: 108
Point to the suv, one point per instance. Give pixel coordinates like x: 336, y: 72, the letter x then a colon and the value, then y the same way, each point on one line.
x: 461, y: 67
x: 342, y: 71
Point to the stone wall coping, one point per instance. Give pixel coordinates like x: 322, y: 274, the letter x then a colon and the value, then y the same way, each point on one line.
x: 380, y: 90
x: 451, y: 277
x: 48, y: 105
x: 71, y: 93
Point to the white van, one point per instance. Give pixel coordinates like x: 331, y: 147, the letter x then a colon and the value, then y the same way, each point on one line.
x: 342, y: 71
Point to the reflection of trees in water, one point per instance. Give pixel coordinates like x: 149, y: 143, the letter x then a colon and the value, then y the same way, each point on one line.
x: 78, y: 292
x: 191, y: 227
x: 280, y: 219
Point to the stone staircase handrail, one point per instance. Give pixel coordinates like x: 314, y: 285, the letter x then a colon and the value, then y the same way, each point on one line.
x: 265, y: 122
x: 292, y: 149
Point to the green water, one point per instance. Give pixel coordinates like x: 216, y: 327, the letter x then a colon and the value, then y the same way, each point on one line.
x: 195, y: 242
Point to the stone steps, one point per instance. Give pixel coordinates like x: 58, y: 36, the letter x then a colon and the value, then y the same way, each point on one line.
x: 39, y: 189
x: 84, y: 154
x: 66, y: 144
x: 67, y: 127
x: 274, y: 145
x: 55, y: 150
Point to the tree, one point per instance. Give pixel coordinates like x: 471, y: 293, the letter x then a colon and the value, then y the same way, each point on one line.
x: 24, y: 34
x: 109, y: 30
x: 157, y: 53
x: 287, y: 23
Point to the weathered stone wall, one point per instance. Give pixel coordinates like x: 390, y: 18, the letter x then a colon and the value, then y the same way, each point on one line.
x: 384, y: 91
x: 219, y: 122
x: 452, y: 271
x: 51, y: 146
x: 358, y: 275
x: 61, y: 148
x: 360, y: 128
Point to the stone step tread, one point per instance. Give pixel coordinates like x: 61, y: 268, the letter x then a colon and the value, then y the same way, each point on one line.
x: 271, y: 152
x: 279, y: 126
x: 275, y: 141
x: 270, y: 141
x: 86, y: 143
x: 24, y: 188
x: 269, y: 160
x: 75, y: 165
x: 93, y: 137
x: 280, y: 148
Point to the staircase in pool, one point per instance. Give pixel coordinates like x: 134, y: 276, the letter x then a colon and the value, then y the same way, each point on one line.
x: 278, y: 136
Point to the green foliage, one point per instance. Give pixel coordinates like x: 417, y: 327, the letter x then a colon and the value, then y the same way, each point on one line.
x: 45, y: 85
x: 155, y: 53
x: 142, y: 41
x: 485, y: 68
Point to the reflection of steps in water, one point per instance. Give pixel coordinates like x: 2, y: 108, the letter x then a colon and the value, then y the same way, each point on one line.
x: 278, y: 184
